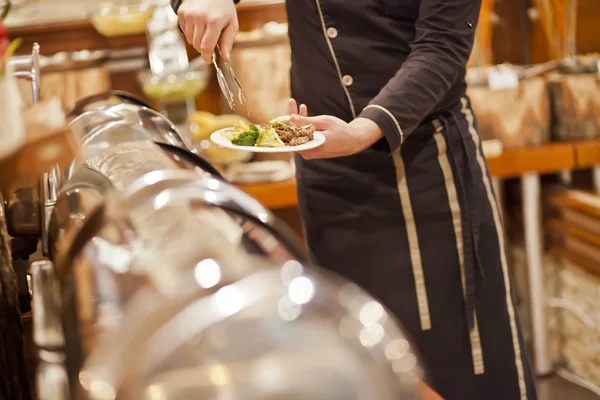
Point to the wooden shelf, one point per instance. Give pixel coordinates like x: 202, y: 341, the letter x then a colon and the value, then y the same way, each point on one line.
x: 580, y: 260
x: 71, y: 36
x: 274, y: 195
x: 578, y: 200
x: 81, y: 35
x: 587, y: 154
x: 544, y: 159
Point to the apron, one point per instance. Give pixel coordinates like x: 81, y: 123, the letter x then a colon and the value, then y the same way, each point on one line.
x: 420, y: 230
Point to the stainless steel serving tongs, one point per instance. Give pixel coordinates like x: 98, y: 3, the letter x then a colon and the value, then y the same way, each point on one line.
x: 234, y: 98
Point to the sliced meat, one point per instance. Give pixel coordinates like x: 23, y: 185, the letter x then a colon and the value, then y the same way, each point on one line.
x: 307, y: 130
x: 288, y: 132
x: 285, y: 132
x: 298, y: 140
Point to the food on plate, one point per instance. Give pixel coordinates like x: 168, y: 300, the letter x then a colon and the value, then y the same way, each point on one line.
x: 291, y: 134
x: 248, y: 136
x: 202, y: 124
x: 279, y: 132
x: 269, y: 138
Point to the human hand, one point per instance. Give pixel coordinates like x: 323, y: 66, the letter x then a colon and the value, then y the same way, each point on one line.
x: 206, y: 22
x: 342, y: 138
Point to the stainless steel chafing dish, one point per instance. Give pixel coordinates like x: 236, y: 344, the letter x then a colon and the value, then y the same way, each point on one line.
x: 245, y: 328
x: 251, y: 329
x: 149, y: 245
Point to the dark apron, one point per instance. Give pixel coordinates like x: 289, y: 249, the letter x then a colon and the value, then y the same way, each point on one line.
x: 420, y: 230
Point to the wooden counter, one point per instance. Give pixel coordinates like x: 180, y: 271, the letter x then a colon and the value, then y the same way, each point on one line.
x: 427, y: 393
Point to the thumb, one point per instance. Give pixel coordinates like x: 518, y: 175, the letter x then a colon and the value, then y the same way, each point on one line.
x: 322, y: 122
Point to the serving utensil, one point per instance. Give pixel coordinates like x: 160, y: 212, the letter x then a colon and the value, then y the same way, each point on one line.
x: 238, y: 95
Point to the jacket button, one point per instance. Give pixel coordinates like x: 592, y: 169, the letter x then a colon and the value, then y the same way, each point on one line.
x: 332, y: 33
x: 347, y: 80
x: 470, y: 23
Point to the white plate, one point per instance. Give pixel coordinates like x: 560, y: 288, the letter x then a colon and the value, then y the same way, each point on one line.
x: 218, y: 138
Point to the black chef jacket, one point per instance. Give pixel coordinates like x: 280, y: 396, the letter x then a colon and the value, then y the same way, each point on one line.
x: 397, y: 62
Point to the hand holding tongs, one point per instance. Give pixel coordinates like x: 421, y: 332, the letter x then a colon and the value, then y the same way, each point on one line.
x: 232, y: 99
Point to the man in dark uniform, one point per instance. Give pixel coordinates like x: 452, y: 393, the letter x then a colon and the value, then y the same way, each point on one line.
x: 399, y: 199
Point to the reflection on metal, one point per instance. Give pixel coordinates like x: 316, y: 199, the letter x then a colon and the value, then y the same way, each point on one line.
x: 52, y: 382
x: 47, y: 329
x: 184, y: 187
x: 109, y: 124
x: 236, y: 341
x: 23, y: 213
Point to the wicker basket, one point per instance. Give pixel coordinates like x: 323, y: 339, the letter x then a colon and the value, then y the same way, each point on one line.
x: 518, y: 117
x: 575, y: 103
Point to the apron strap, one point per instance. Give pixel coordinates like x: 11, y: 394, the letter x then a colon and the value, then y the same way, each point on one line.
x: 469, y: 213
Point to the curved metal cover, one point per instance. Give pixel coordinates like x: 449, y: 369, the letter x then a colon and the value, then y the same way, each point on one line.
x: 120, y: 123
x: 283, y: 332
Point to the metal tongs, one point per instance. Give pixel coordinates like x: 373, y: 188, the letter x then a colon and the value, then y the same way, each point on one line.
x: 233, y: 98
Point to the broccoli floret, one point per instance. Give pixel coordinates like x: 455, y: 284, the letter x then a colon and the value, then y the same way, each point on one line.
x: 254, y: 129
x: 247, y: 138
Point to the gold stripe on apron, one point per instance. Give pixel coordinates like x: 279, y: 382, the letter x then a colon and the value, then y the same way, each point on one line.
x: 468, y: 114
x: 476, y: 350
x: 413, y: 242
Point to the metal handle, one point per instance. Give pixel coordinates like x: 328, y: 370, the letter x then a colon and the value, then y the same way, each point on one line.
x: 121, y: 95
x: 49, y: 187
x: 47, y: 328
x: 35, y: 73
x: 193, y: 158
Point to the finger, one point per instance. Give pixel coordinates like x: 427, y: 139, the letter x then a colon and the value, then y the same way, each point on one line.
x: 321, y: 122
x: 292, y: 106
x: 181, y: 19
x: 303, y: 110
x: 182, y: 24
x: 188, y: 22
x: 209, y: 41
x: 196, y: 40
x: 228, y: 37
